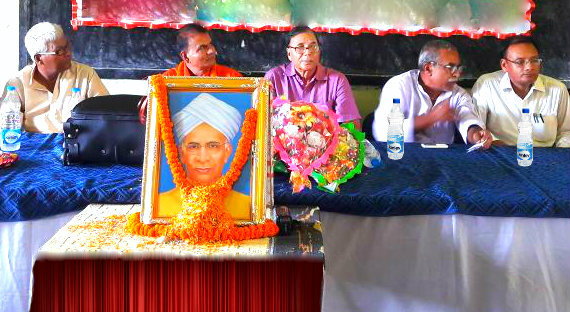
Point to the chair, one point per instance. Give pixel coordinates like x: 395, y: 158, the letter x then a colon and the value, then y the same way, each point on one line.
x: 367, y: 126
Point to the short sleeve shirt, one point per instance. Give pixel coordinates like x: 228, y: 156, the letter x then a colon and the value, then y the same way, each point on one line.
x: 44, y: 111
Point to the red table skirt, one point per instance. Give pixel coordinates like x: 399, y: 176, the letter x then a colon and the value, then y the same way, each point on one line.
x: 177, y: 285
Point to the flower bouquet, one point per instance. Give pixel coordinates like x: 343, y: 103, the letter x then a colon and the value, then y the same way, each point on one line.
x: 345, y: 162
x: 304, y: 135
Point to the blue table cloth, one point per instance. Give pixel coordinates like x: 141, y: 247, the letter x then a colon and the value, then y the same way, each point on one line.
x: 449, y: 181
x: 425, y: 181
x: 39, y: 185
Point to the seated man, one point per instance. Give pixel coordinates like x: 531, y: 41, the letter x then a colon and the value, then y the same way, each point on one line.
x: 501, y: 96
x: 45, y: 86
x: 307, y: 80
x: 205, y: 129
x: 198, y: 56
x: 432, y: 103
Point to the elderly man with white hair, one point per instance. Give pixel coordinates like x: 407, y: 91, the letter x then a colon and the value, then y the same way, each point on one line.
x: 205, y: 128
x: 432, y: 102
x: 45, y: 86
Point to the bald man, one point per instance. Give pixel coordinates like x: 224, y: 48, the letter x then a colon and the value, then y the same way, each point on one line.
x: 205, y: 129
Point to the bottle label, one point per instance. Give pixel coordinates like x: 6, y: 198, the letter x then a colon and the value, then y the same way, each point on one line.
x: 10, y: 136
x: 11, y: 120
x: 395, y: 144
x: 524, y: 151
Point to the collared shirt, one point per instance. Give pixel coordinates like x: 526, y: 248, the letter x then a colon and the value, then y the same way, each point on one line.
x: 414, y: 101
x: 44, y: 111
x: 216, y: 71
x: 327, y: 87
x: 501, y: 109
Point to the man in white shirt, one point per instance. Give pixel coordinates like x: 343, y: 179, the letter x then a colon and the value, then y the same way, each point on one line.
x: 501, y: 96
x: 431, y: 101
x: 45, y: 86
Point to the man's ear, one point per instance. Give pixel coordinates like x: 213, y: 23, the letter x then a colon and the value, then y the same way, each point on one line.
x: 37, y: 58
x: 183, y: 56
x: 289, y: 51
x: 503, y: 64
x: 228, y: 149
x: 428, y: 68
x: 182, y: 151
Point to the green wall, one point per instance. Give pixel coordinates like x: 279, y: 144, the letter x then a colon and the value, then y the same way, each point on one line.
x: 367, y: 98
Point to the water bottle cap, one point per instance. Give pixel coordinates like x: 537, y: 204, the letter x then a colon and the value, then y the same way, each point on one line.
x: 525, y: 110
x: 11, y: 88
x: 73, y: 90
x: 396, y: 101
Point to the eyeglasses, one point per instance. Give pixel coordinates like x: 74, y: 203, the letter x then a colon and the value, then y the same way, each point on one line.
x: 60, y: 51
x: 523, y: 62
x: 300, y: 49
x: 194, y: 148
x: 452, y: 68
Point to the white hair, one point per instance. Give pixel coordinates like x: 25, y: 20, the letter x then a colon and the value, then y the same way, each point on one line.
x: 39, y: 37
x: 430, y: 52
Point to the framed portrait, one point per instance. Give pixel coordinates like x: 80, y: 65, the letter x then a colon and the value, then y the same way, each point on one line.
x: 207, y: 116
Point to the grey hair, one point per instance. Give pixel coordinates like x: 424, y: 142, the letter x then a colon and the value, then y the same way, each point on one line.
x: 39, y: 37
x: 430, y: 52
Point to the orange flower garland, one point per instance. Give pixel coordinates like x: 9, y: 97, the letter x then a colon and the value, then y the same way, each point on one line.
x: 203, y: 217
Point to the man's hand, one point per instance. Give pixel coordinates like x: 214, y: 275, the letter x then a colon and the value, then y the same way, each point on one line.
x: 442, y: 112
x: 475, y: 135
x: 439, y: 113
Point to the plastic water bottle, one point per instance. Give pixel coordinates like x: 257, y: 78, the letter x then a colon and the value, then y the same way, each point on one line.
x: 524, y: 140
x: 395, y: 131
x: 372, y: 158
x: 10, y: 121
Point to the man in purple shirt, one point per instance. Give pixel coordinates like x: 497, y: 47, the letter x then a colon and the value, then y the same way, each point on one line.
x: 305, y: 79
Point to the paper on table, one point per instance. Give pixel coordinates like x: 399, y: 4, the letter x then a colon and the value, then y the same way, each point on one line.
x: 476, y: 146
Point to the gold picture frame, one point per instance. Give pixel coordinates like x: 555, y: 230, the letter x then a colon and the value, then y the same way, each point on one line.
x: 159, y: 199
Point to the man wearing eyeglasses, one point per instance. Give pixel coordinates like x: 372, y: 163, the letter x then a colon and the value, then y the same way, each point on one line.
x: 434, y: 106
x: 205, y: 128
x: 501, y: 96
x: 45, y: 86
x: 305, y: 79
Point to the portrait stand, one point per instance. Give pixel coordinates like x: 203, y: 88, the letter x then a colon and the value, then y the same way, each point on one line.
x: 159, y: 193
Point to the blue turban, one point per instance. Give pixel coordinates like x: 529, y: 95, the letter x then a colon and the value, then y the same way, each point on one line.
x: 206, y: 108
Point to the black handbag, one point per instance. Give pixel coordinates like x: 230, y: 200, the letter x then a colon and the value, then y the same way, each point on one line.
x: 104, y: 129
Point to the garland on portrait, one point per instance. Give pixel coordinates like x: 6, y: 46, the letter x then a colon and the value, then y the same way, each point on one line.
x: 203, y: 218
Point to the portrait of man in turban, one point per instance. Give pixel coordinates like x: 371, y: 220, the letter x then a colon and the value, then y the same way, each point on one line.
x: 205, y: 129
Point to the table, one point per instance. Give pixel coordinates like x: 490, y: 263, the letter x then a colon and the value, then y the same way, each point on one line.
x: 442, y: 230
x: 92, y: 264
x: 38, y: 195
x: 39, y: 185
x: 449, y: 181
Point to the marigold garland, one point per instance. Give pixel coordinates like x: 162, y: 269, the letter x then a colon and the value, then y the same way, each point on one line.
x: 203, y: 217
